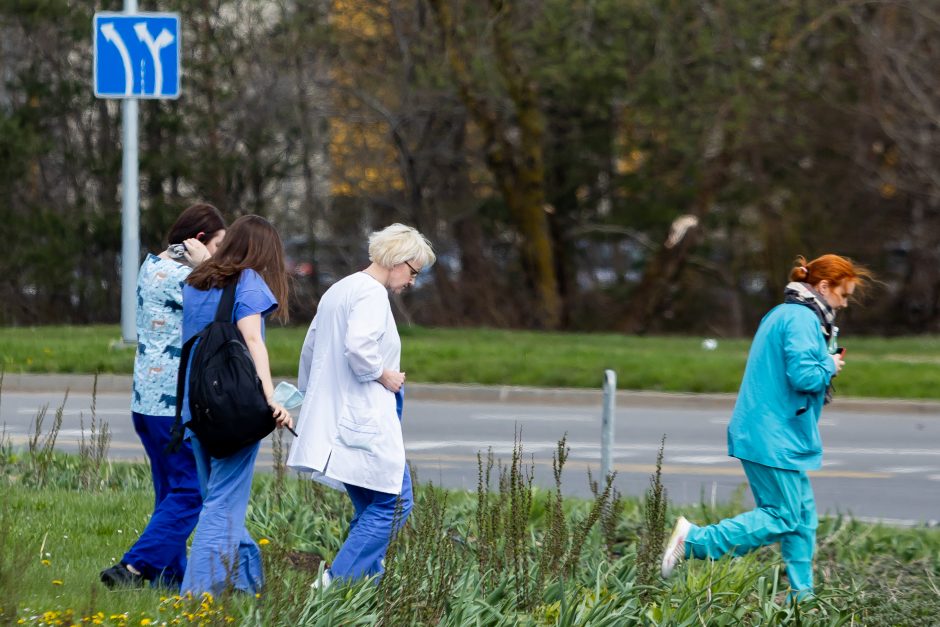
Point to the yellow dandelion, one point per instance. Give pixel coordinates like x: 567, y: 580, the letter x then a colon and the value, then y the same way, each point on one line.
x: 263, y: 541
x: 57, y: 582
x: 145, y: 621
x: 46, y: 563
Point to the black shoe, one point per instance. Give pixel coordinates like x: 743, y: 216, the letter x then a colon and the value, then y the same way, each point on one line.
x: 118, y: 576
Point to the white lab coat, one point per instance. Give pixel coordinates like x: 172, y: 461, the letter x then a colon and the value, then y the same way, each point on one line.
x: 348, y: 429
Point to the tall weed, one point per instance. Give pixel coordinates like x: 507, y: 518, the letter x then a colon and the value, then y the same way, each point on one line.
x: 422, y: 565
x: 653, y: 535
x: 93, y: 453
x: 280, y: 464
x: 506, y: 543
x: 41, y: 445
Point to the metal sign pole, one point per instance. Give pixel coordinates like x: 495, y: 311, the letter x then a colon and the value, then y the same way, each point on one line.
x: 130, y: 220
x: 607, y: 421
x: 130, y: 213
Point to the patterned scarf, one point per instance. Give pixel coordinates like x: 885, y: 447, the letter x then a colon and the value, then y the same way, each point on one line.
x: 803, y: 294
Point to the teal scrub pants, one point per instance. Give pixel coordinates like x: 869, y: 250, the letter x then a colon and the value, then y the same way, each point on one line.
x: 785, y: 513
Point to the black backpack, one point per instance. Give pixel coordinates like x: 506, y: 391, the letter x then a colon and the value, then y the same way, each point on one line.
x: 226, y: 399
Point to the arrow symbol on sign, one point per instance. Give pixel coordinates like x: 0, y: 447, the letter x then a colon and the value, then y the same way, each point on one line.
x: 110, y: 33
x: 164, y: 39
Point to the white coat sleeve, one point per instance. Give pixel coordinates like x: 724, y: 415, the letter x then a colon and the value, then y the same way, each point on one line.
x: 367, y: 319
x: 306, y: 357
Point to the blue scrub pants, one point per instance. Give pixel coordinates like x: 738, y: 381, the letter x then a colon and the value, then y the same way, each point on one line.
x: 160, y: 552
x: 785, y: 513
x: 370, y: 530
x: 371, y: 527
x: 223, y: 555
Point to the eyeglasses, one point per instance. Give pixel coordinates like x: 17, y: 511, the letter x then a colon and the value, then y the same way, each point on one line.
x: 414, y: 272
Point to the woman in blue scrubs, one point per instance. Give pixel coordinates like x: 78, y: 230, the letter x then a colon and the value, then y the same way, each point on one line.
x: 159, y: 555
x: 223, y: 555
x: 774, y: 428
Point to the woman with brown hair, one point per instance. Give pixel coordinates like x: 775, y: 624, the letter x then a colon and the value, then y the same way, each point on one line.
x: 223, y: 554
x: 774, y: 428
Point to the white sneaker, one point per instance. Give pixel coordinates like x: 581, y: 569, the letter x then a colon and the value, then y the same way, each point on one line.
x: 323, y: 582
x: 675, y: 549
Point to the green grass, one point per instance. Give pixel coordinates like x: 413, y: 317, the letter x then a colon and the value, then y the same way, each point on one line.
x: 54, y: 540
x: 906, y: 367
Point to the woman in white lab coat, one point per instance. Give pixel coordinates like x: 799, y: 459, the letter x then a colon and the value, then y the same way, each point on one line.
x: 349, y: 430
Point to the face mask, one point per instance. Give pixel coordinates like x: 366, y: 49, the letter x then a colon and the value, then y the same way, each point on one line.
x: 288, y: 395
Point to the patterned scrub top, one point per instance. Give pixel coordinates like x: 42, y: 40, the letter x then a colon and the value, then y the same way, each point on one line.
x: 159, y: 335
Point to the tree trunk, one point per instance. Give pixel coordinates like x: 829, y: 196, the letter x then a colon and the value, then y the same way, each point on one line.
x: 513, y: 151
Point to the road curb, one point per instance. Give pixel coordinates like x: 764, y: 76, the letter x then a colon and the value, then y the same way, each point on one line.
x: 451, y: 392
x: 78, y: 383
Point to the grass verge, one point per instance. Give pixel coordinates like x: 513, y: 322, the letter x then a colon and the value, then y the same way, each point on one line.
x: 446, y: 568
x: 876, y: 367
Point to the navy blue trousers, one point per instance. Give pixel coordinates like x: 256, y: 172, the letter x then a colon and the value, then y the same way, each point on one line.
x: 160, y: 552
x: 372, y: 525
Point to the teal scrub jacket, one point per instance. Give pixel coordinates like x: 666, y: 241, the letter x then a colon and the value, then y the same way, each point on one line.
x: 776, y: 415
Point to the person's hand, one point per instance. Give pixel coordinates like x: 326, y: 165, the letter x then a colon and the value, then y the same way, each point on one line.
x: 838, y: 361
x: 196, y: 251
x: 392, y: 380
x: 281, y: 416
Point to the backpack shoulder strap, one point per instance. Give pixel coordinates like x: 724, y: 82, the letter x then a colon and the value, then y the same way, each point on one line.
x: 224, y: 311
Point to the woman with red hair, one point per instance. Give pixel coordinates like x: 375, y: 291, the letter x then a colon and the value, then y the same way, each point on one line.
x: 774, y: 428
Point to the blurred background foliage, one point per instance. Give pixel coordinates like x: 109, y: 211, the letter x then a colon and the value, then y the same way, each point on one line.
x: 627, y: 165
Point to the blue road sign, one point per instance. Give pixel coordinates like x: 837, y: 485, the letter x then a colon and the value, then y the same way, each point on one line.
x: 137, y: 55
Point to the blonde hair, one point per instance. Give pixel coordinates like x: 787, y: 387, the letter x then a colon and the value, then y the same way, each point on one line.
x: 397, y: 244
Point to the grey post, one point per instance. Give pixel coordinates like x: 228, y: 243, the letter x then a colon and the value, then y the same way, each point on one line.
x: 130, y: 213
x: 607, y: 421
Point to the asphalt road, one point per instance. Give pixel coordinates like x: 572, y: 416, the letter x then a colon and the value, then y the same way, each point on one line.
x: 880, y: 462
